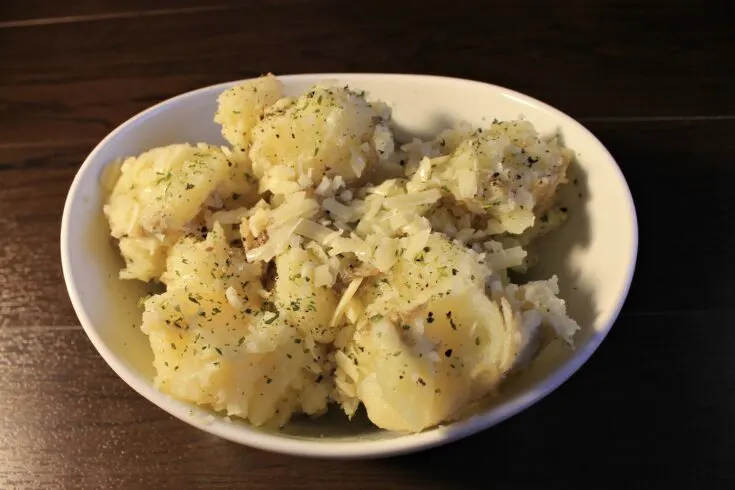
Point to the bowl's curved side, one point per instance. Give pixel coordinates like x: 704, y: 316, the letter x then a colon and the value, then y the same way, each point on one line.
x: 106, y: 307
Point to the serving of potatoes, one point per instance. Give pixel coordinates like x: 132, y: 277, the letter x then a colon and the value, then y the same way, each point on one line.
x: 313, y: 262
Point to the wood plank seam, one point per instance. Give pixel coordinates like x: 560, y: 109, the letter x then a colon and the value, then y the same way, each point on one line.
x: 116, y: 16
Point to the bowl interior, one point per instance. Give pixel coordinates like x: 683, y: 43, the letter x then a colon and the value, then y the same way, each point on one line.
x: 593, y: 254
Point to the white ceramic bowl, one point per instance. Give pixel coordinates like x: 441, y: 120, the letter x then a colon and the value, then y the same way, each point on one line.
x: 594, y: 255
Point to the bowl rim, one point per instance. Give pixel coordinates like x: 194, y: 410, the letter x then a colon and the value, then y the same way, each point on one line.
x: 350, y: 448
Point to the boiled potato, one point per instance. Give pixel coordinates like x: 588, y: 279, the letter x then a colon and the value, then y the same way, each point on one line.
x: 211, y: 266
x: 201, y: 354
x: 325, y: 131
x: 440, y: 267
x: 216, y: 343
x: 297, y: 298
x: 145, y: 257
x: 505, y: 172
x: 431, y: 341
x: 240, y: 188
x: 240, y: 108
x: 163, y: 189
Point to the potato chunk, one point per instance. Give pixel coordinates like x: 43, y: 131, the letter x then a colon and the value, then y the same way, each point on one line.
x: 240, y: 108
x: 145, y: 257
x: 506, y: 172
x: 325, y: 131
x: 299, y: 300
x: 432, y: 341
x: 215, y: 343
x: 163, y: 189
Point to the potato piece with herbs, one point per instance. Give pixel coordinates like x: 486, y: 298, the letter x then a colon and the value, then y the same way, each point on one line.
x: 240, y: 108
x: 431, y: 340
x: 203, y: 354
x: 415, y: 373
x: 163, y: 189
x: 145, y: 257
x: 439, y: 267
x: 300, y: 302
x: 240, y: 188
x: 212, y: 266
x: 326, y: 131
x: 215, y: 343
x: 505, y: 172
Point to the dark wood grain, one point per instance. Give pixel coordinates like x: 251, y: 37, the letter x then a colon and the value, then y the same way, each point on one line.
x: 652, y: 79
x: 681, y: 176
x: 69, y: 422
x: 38, y: 12
x: 35, y: 180
x: 592, y: 59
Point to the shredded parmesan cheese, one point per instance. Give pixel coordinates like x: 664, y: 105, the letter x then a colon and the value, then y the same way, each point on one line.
x: 344, y: 301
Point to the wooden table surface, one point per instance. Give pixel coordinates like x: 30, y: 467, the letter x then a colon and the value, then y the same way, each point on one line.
x: 654, y: 81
